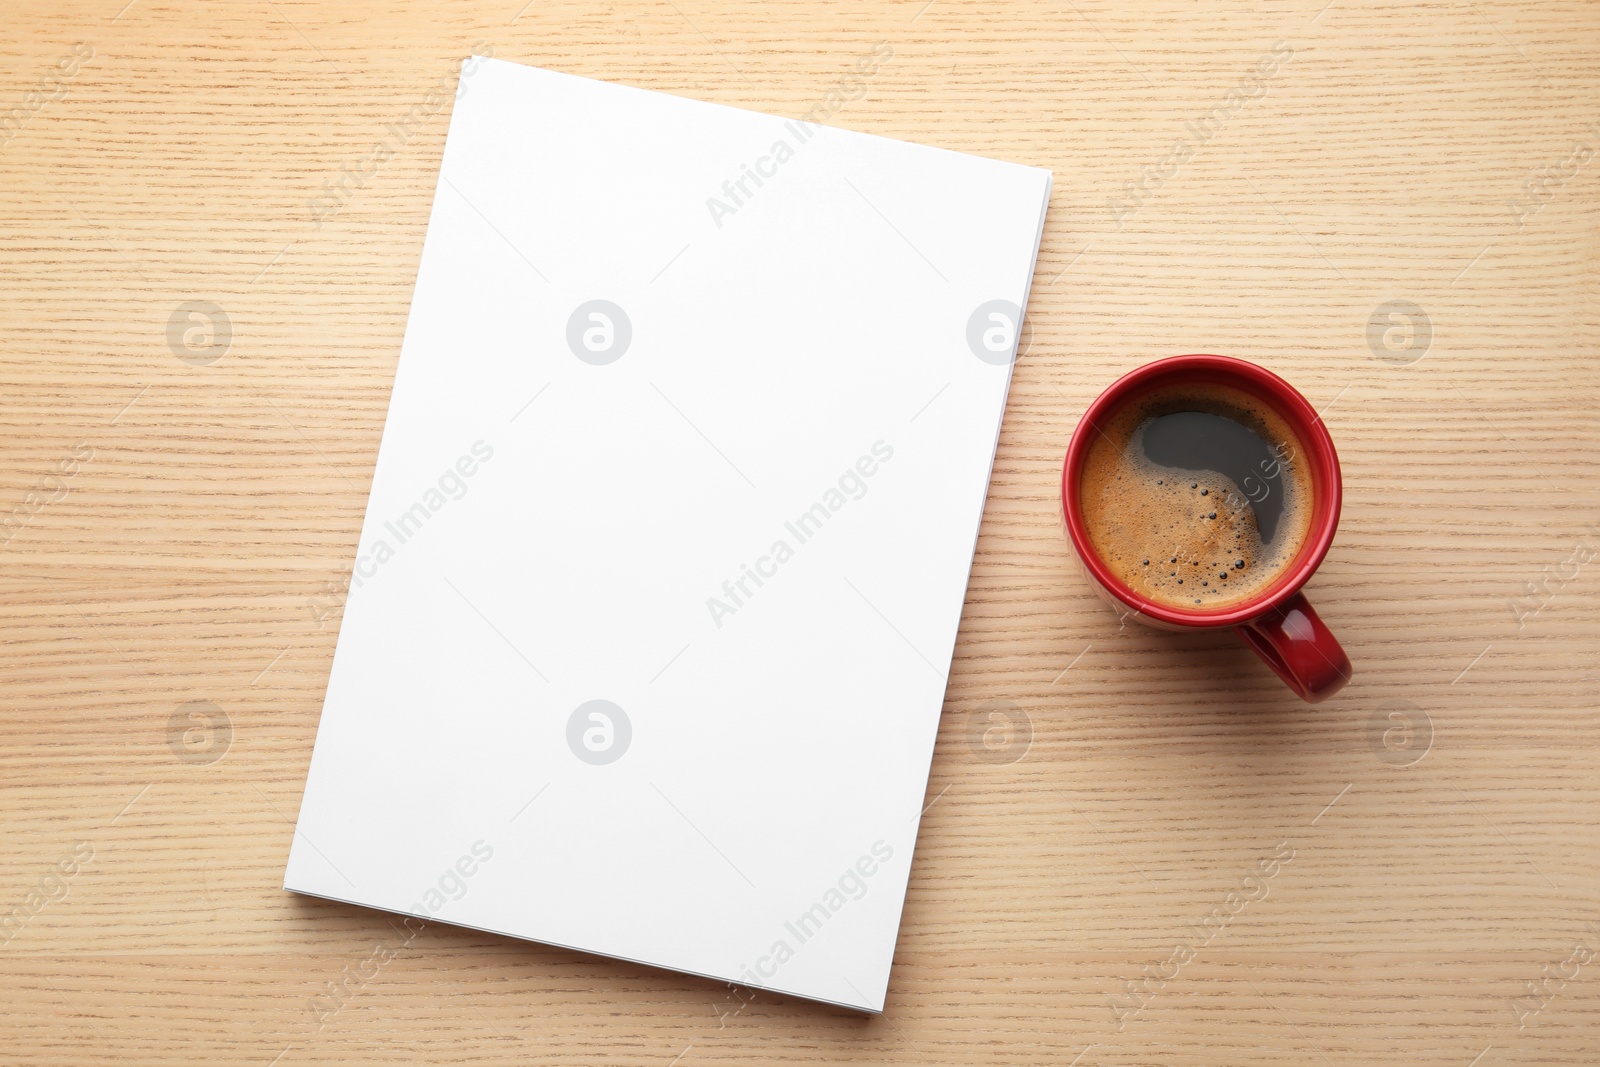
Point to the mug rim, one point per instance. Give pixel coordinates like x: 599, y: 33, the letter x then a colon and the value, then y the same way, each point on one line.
x: 1326, y: 483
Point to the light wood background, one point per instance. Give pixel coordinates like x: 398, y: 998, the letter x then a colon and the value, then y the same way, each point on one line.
x: 188, y: 560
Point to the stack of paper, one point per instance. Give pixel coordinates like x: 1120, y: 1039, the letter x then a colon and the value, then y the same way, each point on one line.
x: 661, y: 574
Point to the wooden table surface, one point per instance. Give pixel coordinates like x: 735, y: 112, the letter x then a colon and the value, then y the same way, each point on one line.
x: 1395, y: 207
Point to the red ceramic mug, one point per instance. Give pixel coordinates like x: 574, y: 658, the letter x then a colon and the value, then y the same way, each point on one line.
x: 1278, y: 623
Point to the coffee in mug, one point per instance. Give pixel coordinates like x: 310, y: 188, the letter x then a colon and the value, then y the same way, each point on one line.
x: 1196, y: 495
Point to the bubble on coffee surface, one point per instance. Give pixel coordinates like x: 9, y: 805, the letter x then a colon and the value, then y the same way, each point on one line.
x: 1184, y: 535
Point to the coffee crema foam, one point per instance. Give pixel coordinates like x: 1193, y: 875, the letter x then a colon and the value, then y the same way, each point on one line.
x: 1190, y: 538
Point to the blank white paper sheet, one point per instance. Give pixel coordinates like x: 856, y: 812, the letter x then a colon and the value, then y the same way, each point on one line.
x: 655, y: 599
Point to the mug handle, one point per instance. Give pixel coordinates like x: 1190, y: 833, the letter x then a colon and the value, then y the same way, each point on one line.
x: 1299, y: 649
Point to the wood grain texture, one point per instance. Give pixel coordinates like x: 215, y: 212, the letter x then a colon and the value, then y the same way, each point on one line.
x: 196, y: 554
